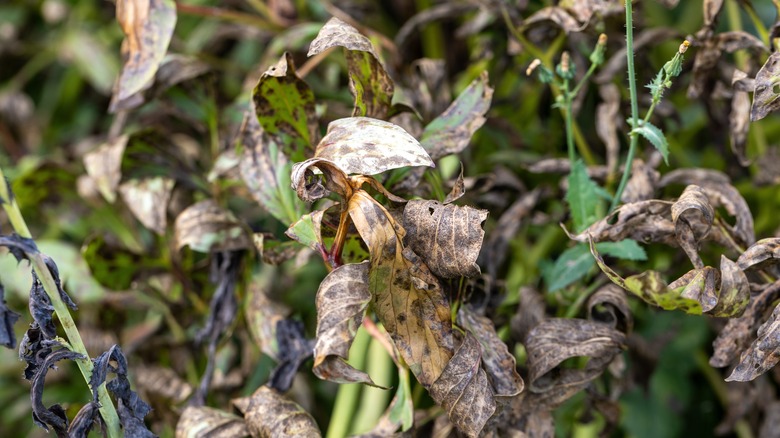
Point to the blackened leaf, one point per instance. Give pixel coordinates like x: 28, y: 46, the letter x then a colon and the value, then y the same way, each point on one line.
x: 20, y: 247
x: 148, y: 200
x: 269, y: 414
x: 266, y: 172
x: 736, y: 336
x: 451, y: 132
x: 654, y: 135
x: 692, y: 215
x: 33, y: 349
x: 55, y: 415
x: 406, y: 296
x: 463, y: 389
x: 447, y: 237
x: 206, y: 227
x: 202, y: 422
x: 148, y: 28
x: 284, y: 105
x: 555, y: 340
x: 7, y: 320
x: 104, y: 166
x: 499, y: 364
x: 610, y: 306
x: 294, y: 350
x: 370, y: 146
x: 85, y: 419
x: 342, y: 300
x: 369, y: 83
x: 582, y: 197
x: 176, y: 68
x: 734, y: 294
x: 765, y: 99
x: 763, y: 354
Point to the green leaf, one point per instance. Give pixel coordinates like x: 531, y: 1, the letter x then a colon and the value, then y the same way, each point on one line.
x: 627, y: 249
x: 654, y: 136
x: 284, y: 105
x: 582, y: 197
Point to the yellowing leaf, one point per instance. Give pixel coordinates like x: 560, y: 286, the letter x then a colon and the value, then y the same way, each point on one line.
x: 148, y: 27
x: 369, y: 146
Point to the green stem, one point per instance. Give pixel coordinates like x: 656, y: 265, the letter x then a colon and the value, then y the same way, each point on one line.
x: 107, y: 410
x: 568, y: 118
x: 347, y: 397
x: 634, y: 105
x: 373, y: 401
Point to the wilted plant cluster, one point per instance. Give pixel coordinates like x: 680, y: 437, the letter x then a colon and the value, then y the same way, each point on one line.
x: 343, y: 219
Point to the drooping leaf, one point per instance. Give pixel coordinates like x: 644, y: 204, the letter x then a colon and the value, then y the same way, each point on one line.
x: 369, y: 83
x: 458, y: 188
x: 87, y: 417
x: 270, y: 414
x: 266, y: 172
x: 451, y: 132
x: 406, y: 296
x: 765, y: 99
x: 609, y: 305
x: 739, y: 120
x: 654, y: 135
x: 557, y: 15
x: 148, y: 200
x: 310, y: 186
x: 196, y: 422
x: 294, y: 350
x: 162, y: 382
x: 7, y: 320
x: 582, y: 197
x: 692, y: 215
x: 447, y: 237
x: 369, y: 146
x: 763, y: 353
x: 148, y: 28
x: 762, y: 254
x: 342, y: 300
x: 284, y: 105
x: 104, y: 166
x: 498, y: 363
x: 206, y: 227
x: 53, y: 416
x: 711, y: 10
x: 263, y: 314
x: 642, y: 185
x: 463, y: 389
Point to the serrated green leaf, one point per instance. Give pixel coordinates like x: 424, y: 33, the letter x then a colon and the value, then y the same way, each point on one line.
x: 655, y: 136
x: 583, y: 197
x: 627, y: 249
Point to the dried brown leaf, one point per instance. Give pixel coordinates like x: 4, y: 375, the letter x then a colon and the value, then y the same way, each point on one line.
x: 458, y: 188
x: 642, y: 184
x: 202, y: 422
x: 148, y: 200
x: 407, y: 297
x: 607, y: 119
x: 692, y: 215
x: 310, y: 186
x: 463, y: 389
x: 162, y: 381
x: 585, y: 9
x: 499, y: 364
x: 104, y: 166
x: 763, y: 353
x: 645, y: 221
x: 337, y: 33
x: 369, y: 146
x: 342, y: 300
x: 206, y: 227
x: 711, y: 10
x: 557, y: 15
x: 762, y: 254
x: 262, y: 314
x: 507, y: 227
x: 609, y: 305
x: 447, y: 237
x: 739, y: 122
x: 766, y: 98
x: 530, y: 313
x: 148, y: 28
x: 270, y: 414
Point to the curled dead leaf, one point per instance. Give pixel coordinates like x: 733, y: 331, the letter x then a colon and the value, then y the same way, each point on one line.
x: 692, y: 215
x: 201, y: 422
x: 310, y: 186
x: 270, y: 414
x: 765, y: 99
x: 104, y: 166
x: 763, y: 353
x: 148, y: 200
x: 557, y: 15
x: 610, y: 306
x: 760, y: 255
x: 206, y: 227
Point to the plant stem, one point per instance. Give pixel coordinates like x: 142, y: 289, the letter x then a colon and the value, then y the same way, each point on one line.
x: 567, y: 96
x: 107, y: 410
x: 634, y: 105
x: 347, y: 397
x: 373, y: 401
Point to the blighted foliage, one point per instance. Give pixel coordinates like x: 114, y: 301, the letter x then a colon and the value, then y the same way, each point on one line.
x: 277, y: 201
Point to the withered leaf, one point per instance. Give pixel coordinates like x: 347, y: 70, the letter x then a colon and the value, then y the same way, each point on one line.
x: 642, y: 184
x: 763, y: 353
x: 711, y: 10
x: 269, y: 414
x: 734, y: 293
x: 406, y: 296
x: 104, y: 166
x: 764, y: 253
x: 284, y: 105
x: 148, y: 200
x: 530, y: 313
x: 176, y: 68
x: 463, y: 389
x: 263, y: 314
x: 162, y: 381
x: 765, y: 98
x: 644, y: 221
x: 607, y: 119
x: 55, y: 415
x: 447, y: 237
x: 202, y: 422
x: 739, y: 121
x: 310, y: 186
x: 692, y: 215
x: 266, y: 172
x: 555, y: 340
x: 508, y: 225
x: 342, y: 300
x: 499, y: 364
x: 451, y: 132
x: 558, y: 16
x: 294, y: 350
x: 7, y: 320
x: 206, y: 227
x: 369, y: 83
x: 585, y: 9
x: 85, y: 419
x: 369, y: 146
x: 148, y: 28
x: 610, y: 306
x: 458, y: 188
x: 736, y: 336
